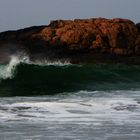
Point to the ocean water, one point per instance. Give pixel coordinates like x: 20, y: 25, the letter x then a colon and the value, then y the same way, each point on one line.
x: 62, y: 101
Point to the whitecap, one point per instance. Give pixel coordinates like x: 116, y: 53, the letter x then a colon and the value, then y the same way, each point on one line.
x: 8, y: 71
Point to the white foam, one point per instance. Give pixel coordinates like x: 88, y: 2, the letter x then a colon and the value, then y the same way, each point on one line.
x: 46, y: 62
x: 114, y: 109
x: 7, y: 71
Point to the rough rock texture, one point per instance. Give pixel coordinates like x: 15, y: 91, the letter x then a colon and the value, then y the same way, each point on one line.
x: 113, y: 40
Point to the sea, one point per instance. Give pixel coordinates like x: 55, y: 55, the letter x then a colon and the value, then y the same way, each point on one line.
x: 46, y: 100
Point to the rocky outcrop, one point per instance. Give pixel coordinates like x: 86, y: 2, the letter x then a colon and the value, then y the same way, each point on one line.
x: 80, y: 40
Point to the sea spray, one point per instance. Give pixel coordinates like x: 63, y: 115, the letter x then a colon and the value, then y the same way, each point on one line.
x: 8, y: 71
x: 45, y: 62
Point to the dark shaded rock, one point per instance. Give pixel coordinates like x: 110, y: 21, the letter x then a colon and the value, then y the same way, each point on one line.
x: 138, y: 27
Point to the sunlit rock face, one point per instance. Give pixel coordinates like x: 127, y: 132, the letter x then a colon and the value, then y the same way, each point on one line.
x: 78, y: 40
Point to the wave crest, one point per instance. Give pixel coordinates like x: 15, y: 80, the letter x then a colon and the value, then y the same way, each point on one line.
x: 7, y: 71
x: 33, y: 78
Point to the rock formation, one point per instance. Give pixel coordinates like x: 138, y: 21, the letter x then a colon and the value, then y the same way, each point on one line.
x: 88, y: 40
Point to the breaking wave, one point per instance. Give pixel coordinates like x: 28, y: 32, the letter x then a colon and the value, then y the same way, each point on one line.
x: 23, y: 77
x: 8, y: 71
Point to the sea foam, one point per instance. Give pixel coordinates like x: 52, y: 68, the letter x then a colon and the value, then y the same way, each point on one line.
x: 8, y: 71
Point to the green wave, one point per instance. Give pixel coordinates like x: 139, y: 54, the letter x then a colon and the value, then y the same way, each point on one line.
x: 31, y: 79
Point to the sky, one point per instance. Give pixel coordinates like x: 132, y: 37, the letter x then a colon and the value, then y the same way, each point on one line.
x: 16, y: 14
